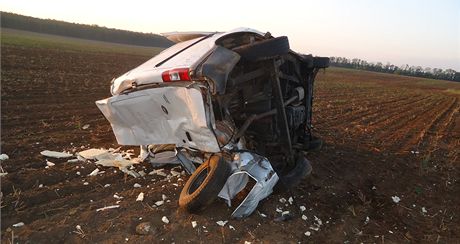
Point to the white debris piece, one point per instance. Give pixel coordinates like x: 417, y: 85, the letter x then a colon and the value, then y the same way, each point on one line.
x: 313, y: 228
x: 290, y: 200
x: 85, y: 183
x: 54, y: 154
x: 308, y: 233
x: 262, y: 215
x: 116, y: 196
x: 285, y: 213
x: 20, y: 224
x: 159, y: 172
x: 302, y: 208
x: 75, y: 160
x: 78, y: 173
x: 367, y: 220
x: 164, y: 197
x: 3, y: 174
x: 50, y: 164
x: 304, y: 217
x: 165, y: 220
x: 396, y: 199
x: 318, y: 221
x: 3, y: 157
x: 140, y: 197
x: 85, y: 127
x: 94, y: 173
x: 231, y: 227
x: 40, y: 186
x: 221, y: 223
x: 107, y: 207
x: 159, y: 203
x: 247, y: 242
x: 279, y: 210
x: 194, y: 224
x: 92, y: 153
x: 282, y: 200
x: 424, y: 210
x: 374, y: 188
x: 137, y: 185
x: 106, y: 185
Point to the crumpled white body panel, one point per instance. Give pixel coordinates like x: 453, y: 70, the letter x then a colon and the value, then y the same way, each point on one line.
x: 244, y: 166
x: 160, y: 116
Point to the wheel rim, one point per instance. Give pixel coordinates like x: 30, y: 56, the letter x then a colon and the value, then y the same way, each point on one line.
x: 198, y: 181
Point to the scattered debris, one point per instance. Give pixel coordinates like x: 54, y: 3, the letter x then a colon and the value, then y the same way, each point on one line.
x: 140, y: 197
x: 137, y: 185
x: 282, y: 200
x: 279, y: 210
x: 262, y: 215
x: 106, y: 185
x: 144, y: 228
x: 94, y: 173
x: 117, y: 197
x: 374, y: 188
x: 302, y: 208
x: 40, y: 186
x: 165, y: 220
x: 92, y: 153
x: 159, y: 172
x: 20, y: 224
x: 284, y: 217
x: 164, y: 197
x: 304, y: 217
x: 424, y: 210
x: 290, y: 200
x: 85, y: 127
x: 308, y: 233
x: 49, y: 164
x: 231, y: 227
x: 396, y: 199
x: 85, y: 183
x: 79, y: 231
x: 107, y: 207
x: 194, y: 224
x: 159, y: 203
x: 222, y: 223
x: 367, y: 220
x: 54, y: 154
x: 75, y: 160
x: 3, y: 157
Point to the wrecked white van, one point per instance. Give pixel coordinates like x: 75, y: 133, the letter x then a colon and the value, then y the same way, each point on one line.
x: 237, y: 103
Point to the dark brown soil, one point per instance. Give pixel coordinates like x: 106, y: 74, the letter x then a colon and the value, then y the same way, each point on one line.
x: 384, y: 135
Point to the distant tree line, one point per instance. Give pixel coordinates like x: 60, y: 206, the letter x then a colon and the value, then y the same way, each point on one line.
x: 91, y: 32
x: 418, y: 71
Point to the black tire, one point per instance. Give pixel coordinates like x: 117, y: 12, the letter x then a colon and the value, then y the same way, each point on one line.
x: 264, y: 49
x: 289, y: 179
x: 204, y: 184
x: 321, y: 62
x: 315, y: 144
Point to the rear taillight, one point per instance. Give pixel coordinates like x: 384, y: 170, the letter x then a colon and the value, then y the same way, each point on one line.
x: 182, y: 74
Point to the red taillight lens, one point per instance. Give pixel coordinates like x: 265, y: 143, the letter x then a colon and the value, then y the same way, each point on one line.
x: 182, y: 74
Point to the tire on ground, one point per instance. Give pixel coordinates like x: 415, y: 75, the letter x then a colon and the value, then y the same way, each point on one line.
x: 293, y: 177
x: 204, y: 184
x: 264, y: 49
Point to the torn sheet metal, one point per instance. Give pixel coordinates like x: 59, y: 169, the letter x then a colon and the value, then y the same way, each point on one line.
x: 165, y: 115
x: 247, y: 165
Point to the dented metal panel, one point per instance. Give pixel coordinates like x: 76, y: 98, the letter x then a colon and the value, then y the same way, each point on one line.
x: 247, y: 165
x: 166, y: 115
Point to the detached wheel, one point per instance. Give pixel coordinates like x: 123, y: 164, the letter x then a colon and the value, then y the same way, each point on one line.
x: 204, y: 184
x: 264, y: 49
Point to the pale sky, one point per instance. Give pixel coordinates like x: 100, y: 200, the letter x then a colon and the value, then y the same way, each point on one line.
x: 414, y: 32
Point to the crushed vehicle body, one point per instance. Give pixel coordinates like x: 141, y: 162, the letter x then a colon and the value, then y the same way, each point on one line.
x: 237, y: 103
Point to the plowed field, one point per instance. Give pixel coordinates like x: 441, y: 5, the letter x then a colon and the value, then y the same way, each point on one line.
x: 385, y: 136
